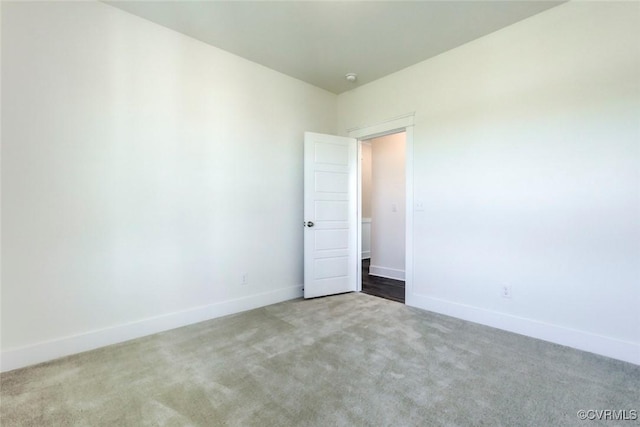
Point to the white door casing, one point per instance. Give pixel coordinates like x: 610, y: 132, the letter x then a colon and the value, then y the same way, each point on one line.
x: 404, y: 123
x: 330, y: 214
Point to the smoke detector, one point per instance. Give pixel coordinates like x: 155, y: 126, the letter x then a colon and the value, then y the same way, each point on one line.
x: 351, y: 77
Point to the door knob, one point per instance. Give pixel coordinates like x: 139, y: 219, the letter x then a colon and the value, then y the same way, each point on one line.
x: 310, y: 224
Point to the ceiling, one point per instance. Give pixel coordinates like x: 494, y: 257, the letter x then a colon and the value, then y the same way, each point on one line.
x: 320, y: 41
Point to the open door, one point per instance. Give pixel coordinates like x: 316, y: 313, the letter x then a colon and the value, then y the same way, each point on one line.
x: 330, y: 214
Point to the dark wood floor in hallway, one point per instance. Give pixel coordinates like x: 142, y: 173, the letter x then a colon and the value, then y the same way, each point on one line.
x: 380, y: 286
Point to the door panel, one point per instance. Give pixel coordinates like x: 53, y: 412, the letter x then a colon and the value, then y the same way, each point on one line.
x: 331, y: 239
x: 331, y: 211
x: 330, y: 215
x: 331, y: 182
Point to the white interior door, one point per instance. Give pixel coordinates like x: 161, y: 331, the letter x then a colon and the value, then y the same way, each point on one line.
x: 330, y: 214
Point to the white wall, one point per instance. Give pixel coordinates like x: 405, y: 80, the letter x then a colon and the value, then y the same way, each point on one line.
x: 388, y: 206
x: 527, y: 158
x: 142, y: 173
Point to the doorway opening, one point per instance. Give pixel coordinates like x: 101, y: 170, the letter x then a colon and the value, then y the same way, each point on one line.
x: 383, y: 205
x: 333, y: 214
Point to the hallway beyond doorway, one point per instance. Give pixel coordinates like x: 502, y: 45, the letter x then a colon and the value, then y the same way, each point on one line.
x: 381, y: 286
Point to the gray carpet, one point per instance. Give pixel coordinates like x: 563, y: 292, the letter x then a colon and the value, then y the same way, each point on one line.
x: 346, y: 360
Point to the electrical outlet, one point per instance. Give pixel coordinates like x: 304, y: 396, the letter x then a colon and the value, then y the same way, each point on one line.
x: 506, y: 291
x: 419, y: 206
x: 245, y: 279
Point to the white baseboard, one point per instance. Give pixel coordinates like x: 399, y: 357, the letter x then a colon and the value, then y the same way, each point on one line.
x: 49, y: 350
x: 389, y: 273
x: 598, y: 344
x: 366, y: 254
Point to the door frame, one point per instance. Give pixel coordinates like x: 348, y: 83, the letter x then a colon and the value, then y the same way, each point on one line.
x: 404, y: 123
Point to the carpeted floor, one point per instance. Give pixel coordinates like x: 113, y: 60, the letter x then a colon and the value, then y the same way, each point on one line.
x: 346, y: 360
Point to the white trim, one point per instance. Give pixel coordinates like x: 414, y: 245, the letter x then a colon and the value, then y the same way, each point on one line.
x: 397, y: 124
x: 49, y: 350
x: 389, y: 273
x: 359, y: 215
x: 585, y: 341
x: 365, y: 254
x: 408, y: 235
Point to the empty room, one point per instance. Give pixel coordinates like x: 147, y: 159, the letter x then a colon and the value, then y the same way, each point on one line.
x: 189, y: 230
